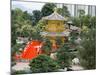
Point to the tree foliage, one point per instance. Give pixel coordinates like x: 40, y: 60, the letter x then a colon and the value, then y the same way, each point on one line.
x: 63, y: 11
x: 87, y: 51
x: 43, y: 63
x: 48, y: 9
x: 40, y: 26
x: 84, y: 20
x: 47, y: 47
x: 20, y: 25
x: 36, y: 16
x: 64, y: 56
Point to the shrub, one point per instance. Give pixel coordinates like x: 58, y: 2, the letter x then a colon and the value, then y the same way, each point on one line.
x: 64, y: 56
x: 43, y: 63
x: 87, y: 51
x: 19, y: 72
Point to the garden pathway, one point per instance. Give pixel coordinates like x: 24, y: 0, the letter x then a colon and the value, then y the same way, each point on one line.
x: 25, y: 66
x: 77, y: 67
x: 21, y: 66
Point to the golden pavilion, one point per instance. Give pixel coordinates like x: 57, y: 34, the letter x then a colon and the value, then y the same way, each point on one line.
x: 55, y: 27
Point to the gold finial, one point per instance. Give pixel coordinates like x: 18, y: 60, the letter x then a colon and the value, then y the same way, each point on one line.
x: 55, y: 10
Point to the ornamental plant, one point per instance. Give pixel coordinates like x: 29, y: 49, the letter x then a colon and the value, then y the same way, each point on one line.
x: 64, y: 56
x: 43, y: 63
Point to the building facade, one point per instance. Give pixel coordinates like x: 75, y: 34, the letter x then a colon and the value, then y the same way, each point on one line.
x: 74, y: 9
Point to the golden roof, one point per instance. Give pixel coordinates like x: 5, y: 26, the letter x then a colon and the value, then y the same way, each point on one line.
x: 54, y: 16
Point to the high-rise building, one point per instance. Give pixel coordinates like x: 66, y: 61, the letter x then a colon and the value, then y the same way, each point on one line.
x: 74, y: 9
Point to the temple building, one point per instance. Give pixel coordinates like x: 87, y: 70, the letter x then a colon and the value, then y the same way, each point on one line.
x: 55, y: 28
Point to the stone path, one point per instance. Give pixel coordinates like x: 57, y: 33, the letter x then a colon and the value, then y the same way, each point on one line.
x: 77, y: 67
x: 21, y: 66
x: 25, y: 66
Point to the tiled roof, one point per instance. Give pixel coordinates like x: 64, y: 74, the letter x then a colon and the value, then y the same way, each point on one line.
x: 54, y: 16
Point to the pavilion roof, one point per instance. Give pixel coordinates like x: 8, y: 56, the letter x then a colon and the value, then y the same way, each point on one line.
x: 54, y: 16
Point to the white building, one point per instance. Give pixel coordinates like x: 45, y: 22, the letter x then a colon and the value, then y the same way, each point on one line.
x: 74, y: 8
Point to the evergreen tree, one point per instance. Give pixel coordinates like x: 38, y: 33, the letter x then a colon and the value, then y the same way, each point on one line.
x: 48, y: 9
x: 63, y: 11
x: 47, y: 47
x: 87, y: 49
x: 36, y: 16
x: 64, y: 56
x: 43, y: 63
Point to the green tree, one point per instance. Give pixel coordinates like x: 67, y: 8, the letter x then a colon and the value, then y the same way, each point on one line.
x: 36, y: 16
x: 15, y: 22
x: 43, y: 63
x: 47, y: 47
x: 84, y: 20
x: 89, y: 21
x: 26, y: 30
x: 87, y: 49
x: 19, y: 21
x: 26, y: 15
x: 64, y: 56
x: 40, y: 26
x: 59, y: 41
x: 75, y: 21
x: 81, y: 17
x: 81, y: 12
x: 93, y: 22
x: 16, y: 48
x: 36, y: 36
x: 48, y: 9
x: 63, y: 11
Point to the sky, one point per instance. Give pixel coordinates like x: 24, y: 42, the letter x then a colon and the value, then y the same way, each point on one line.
x: 27, y: 6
